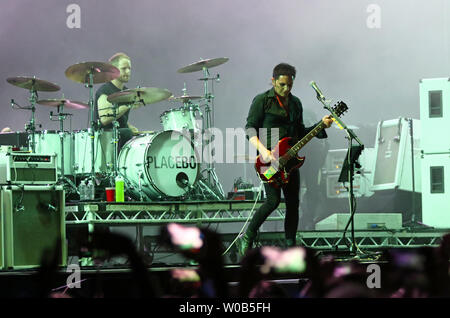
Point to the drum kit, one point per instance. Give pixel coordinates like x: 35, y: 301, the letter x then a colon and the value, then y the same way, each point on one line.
x: 156, y: 165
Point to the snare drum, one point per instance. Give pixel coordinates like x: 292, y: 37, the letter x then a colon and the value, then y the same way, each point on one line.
x: 184, y: 118
x: 161, y: 165
x: 48, y: 142
x: 103, y: 156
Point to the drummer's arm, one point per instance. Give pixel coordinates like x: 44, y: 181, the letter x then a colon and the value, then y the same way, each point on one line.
x: 106, y: 112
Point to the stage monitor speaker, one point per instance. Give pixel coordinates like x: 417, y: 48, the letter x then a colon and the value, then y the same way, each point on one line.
x: 393, y: 164
x: 435, y: 114
x: 33, y: 224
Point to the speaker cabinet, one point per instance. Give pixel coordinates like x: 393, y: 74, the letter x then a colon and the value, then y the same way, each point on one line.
x: 435, y: 114
x: 436, y: 192
x: 33, y: 224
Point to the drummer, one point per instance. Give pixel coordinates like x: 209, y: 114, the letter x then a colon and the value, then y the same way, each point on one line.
x: 103, y: 109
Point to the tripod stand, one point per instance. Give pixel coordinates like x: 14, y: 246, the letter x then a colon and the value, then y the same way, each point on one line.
x: 212, y: 179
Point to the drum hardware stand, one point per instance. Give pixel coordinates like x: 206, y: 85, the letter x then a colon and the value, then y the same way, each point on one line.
x: 115, y: 140
x: 92, y: 129
x: 63, y: 179
x: 31, y: 126
x: 212, y: 176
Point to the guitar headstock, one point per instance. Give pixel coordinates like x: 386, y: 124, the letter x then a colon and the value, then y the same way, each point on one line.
x: 339, y: 108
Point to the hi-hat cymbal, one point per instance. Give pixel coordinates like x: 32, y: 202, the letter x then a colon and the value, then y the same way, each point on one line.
x: 198, y: 66
x: 102, y: 72
x: 33, y: 83
x: 143, y: 95
x: 184, y: 98
x: 63, y: 102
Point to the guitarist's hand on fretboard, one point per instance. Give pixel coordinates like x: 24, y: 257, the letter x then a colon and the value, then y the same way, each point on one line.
x: 327, y: 121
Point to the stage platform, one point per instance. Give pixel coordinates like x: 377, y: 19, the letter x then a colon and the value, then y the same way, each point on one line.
x: 228, y: 217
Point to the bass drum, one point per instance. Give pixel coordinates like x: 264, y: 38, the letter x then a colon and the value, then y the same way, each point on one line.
x: 161, y: 165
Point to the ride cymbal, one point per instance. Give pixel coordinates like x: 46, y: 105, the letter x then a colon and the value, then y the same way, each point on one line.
x: 33, y: 83
x: 143, y: 95
x: 102, y: 72
x: 198, y: 66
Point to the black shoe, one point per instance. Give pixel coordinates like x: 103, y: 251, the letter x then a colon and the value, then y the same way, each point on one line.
x: 243, y: 244
x: 290, y: 243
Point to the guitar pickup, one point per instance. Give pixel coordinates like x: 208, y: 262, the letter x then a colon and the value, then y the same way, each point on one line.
x: 269, y: 173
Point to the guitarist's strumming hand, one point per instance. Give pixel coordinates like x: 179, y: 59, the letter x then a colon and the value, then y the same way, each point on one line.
x: 267, y: 156
x: 327, y: 121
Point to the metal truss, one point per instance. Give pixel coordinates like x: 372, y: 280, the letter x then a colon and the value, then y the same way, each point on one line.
x: 167, y: 212
x: 220, y: 212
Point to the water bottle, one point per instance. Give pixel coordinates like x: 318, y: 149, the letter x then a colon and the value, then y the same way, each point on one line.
x: 90, y: 191
x: 120, y: 189
x: 82, y: 190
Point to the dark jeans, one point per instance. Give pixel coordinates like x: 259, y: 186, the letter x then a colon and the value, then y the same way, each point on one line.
x: 291, y: 192
x: 125, y: 134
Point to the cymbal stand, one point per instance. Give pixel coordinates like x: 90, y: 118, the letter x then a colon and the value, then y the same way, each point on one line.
x: 210, y: 123
x: 62, y: 178
x: 115, y: 140
x: 92, y: 129
x: 31, y: 127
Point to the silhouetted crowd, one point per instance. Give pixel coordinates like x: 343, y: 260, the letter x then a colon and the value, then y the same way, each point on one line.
x: 397, y: 273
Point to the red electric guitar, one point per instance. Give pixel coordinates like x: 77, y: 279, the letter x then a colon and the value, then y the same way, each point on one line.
x: 277, y: 172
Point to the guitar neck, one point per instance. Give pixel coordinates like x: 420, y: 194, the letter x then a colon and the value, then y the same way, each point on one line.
x: 300, y: 144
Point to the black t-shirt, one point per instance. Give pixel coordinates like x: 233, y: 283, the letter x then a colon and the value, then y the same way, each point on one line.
x: 266, y: 113
x: 108, y: 89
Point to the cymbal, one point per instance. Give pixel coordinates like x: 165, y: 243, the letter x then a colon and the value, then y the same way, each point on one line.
x: 144, y: 95
x: 103, y: 72
x: 33, y: 83
x: 63, y: 102
x: 184, y: 98
x: 198, y: 66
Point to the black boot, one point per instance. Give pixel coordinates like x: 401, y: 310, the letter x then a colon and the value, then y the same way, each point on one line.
x: 290, y: 243
x: 244, y: 243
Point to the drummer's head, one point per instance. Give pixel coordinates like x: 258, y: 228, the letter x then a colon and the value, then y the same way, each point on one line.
x: 123, y: 63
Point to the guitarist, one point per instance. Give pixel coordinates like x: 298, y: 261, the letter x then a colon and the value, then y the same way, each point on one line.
x: 274, y: 115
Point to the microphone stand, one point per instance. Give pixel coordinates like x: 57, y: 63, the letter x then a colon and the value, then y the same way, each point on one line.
x: 353, y: 154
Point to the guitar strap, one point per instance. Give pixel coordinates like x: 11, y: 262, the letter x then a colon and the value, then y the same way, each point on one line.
x: 282, y: 105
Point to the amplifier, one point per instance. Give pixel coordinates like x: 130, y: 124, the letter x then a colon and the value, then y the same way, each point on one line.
x: 337, y: 190
x: 27, y: 168
x: 33, y: 223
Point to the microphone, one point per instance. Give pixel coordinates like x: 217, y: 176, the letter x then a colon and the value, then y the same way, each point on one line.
x: 319, y: 93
